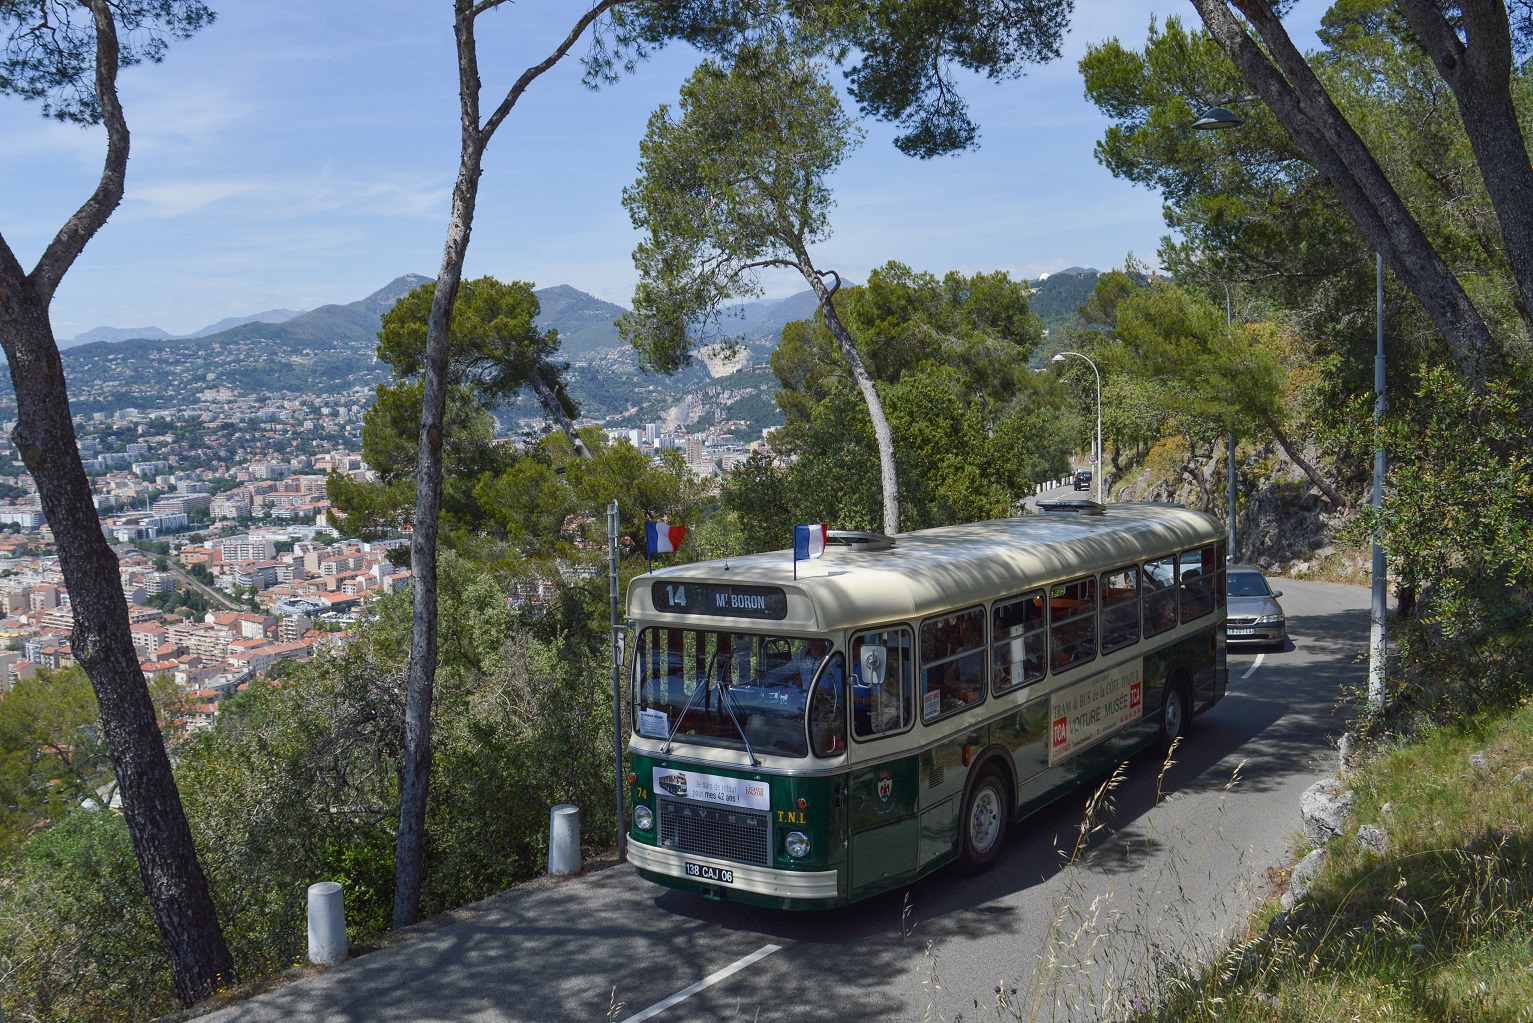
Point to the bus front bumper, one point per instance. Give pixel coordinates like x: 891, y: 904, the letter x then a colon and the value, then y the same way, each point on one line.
x: 670, y: 867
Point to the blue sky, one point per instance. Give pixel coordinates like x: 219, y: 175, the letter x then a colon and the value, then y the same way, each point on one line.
x: 298, y: 153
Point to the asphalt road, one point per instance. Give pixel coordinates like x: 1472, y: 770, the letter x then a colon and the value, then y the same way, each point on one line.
x: 1174, y: 864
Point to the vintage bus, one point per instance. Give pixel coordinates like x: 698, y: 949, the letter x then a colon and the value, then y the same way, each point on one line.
x: 807, y: 735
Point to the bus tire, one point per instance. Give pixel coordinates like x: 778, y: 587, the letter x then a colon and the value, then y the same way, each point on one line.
x: 986, y: 817
x: 1175, y: 714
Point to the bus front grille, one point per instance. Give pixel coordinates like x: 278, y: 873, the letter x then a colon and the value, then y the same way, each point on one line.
x: 738, y: 835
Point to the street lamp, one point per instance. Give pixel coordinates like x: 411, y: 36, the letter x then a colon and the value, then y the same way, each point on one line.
x: 1219, y: 117
x: 1097, y: 468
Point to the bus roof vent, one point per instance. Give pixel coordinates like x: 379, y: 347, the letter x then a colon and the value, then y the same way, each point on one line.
x: 858, y: 540
x: 1072, y: 506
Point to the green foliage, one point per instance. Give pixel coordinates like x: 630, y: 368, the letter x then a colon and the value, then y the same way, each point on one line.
x: 300, y: 781
x: 1436, y: 927
x: 52, y: 753
x: 77, y: 938
x: 494, y: 351
x: 755, y: 497
x: 1458, y: 531
x: 49, y: 52
x: 974, y: 427
x: 492, y: 345
x: 734, y: 184
x: 1249, y: 212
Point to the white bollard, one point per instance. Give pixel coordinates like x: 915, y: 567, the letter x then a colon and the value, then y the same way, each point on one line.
x: 327, y: 924
x: 564, y: 840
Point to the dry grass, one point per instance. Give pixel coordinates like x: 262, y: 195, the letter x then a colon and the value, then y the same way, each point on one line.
x: 1439, y: 927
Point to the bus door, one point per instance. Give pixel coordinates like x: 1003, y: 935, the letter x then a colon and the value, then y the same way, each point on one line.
x: 883, y: 784
x: 1019, y: 670
x: 952, y: 682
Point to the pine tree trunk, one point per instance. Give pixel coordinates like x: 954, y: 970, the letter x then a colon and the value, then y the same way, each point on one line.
x: 101, y: 640
x: 415, y: 768
x: 1290, y: 89
x: 103, y: 644
x: 882, y: 434
x: 1478, y: 68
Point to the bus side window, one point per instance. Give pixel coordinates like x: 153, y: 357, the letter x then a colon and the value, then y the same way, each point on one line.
x: 1159, y: 596
x: 1019, y: 632
x: 1072, y: 624
x: 1120, y: 608
x: 952, y: 662
x: 882, y: 666
x: 1198, y: 583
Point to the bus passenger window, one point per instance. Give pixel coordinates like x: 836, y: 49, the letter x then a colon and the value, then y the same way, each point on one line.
x: 1018, y: 630
x: 1198, y: 582
x: 952, y: 663
x: 1120, y: 608
x: 1159, y: 596
x: 1072, y: 624
x: 882, y: 665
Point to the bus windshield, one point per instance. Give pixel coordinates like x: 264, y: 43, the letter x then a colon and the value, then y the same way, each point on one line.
x: 724, y: 688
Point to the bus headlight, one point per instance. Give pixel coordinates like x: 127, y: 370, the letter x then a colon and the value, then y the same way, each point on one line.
x: 797, y: 844
x: 643, y: 817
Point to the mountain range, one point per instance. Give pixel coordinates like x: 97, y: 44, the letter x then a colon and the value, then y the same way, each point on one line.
x: 156, y: 334
x: 331, y: 350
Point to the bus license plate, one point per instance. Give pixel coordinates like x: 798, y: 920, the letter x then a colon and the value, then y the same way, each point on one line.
x: 706, y: 873
x: 1241, y: 632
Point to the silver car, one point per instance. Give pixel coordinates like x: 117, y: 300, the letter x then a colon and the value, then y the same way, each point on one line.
x: 1255, y: 616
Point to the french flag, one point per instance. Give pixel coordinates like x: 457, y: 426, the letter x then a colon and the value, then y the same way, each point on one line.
x: 660, y: 538
x: 809, y: 541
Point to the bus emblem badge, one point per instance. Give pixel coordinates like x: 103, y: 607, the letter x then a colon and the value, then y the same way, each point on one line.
x: 885, y: 787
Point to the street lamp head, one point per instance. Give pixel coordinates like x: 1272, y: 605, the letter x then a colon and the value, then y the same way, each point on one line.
x: 1058, y: 358
x: 1216, y: 118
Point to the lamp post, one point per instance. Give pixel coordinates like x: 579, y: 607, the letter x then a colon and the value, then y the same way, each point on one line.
x: 1097, y: 470
x: 1214, y: 119
x: 1229, y: 321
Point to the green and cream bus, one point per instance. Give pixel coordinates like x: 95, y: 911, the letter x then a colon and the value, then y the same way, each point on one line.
x: 808, y: 735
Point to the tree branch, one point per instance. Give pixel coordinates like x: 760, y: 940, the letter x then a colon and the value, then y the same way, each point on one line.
x: 531, y: 74
x: 548, y: 397
x: 1478, y: 69
x: 1301, y: 104
x: 89, y: 218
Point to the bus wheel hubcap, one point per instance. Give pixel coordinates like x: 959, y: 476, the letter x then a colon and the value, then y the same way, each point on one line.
x: 984, y: 819
x: 1173, y: 714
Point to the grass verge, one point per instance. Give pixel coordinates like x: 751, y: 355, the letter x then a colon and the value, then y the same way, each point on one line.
x: 1435, y: 926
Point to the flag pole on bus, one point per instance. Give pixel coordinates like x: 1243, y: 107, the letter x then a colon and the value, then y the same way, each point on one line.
x: 660, y: 538
x: 808, y: 542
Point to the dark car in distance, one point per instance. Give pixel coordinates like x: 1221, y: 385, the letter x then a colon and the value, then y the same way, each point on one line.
x: 1254, y: 614
x: 1083, y: 480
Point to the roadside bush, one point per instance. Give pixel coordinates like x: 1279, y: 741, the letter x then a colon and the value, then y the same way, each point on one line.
x: 77, y: 938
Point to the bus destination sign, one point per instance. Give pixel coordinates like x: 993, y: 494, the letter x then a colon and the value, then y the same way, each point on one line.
x: 769, y: 602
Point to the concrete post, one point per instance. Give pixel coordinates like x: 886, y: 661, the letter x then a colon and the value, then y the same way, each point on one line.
x: 564, y: 840
x: 327, y: 924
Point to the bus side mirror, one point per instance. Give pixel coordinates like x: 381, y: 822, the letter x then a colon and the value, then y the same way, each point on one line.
x: 872, y: 662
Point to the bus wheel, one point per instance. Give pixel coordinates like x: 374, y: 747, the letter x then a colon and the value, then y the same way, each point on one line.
x: 1175, y: 710
x: 986, y: 814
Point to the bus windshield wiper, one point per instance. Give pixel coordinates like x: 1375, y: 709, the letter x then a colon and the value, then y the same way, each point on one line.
x: 690, y: 700
x: 727, y: 698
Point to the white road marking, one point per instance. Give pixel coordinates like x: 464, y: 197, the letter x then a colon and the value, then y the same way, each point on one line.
x: 708, y: 981
x: 1254, y: 665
